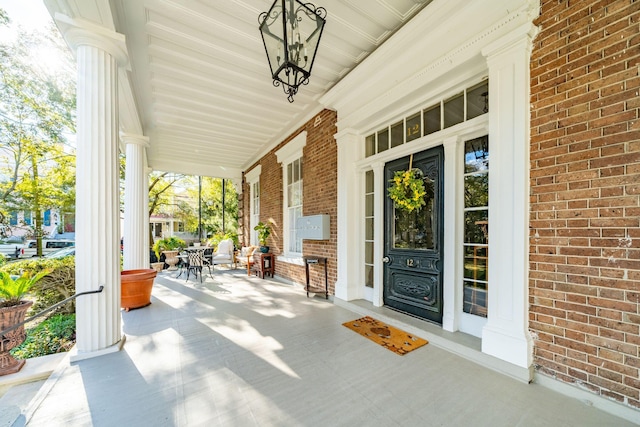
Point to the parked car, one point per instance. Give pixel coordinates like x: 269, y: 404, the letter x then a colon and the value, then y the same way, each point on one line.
x: 61, y: 253
x: 48, y: 246
x: 12, y: 248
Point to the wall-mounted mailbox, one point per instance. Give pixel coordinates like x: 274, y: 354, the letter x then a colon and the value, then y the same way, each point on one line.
x: 313, y: 227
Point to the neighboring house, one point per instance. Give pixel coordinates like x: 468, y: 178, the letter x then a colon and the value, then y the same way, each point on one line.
x: 526, y: 128
x: 163, y: 226
x: 54, y: 224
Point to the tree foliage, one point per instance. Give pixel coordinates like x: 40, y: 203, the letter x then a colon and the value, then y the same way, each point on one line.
x: 37, y: 113
x: 162, y: 191
x: 176, y: 196
x: 212, y: 212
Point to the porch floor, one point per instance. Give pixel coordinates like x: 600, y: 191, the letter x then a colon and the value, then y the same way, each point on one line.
x: 241, y: 351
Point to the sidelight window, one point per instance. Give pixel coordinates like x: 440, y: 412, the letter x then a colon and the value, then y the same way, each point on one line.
x: 368, y: 229
x: 476, y: 226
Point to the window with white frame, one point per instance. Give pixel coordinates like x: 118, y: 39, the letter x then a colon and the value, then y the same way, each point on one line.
x: 369, y: 241
x: 253, y: 180
x: 290, y: 156
x: 255, y: 210
x: 294, y: 204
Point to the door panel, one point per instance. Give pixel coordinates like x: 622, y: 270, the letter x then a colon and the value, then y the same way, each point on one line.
x: 413, y: 242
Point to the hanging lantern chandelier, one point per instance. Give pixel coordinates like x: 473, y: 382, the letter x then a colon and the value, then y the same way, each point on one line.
x: 291, y: 32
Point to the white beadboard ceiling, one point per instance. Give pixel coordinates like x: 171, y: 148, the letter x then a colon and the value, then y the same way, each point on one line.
x: 200, y: 79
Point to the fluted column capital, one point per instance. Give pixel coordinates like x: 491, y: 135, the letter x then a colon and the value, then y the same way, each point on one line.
x: 79, y: 32
x: 133, y: 139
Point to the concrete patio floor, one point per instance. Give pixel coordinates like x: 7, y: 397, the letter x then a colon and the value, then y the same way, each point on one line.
x: 241, y: 351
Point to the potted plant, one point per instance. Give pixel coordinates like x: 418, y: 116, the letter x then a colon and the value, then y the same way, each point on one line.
x: 12, y: 311
x: 264, y: 231
x: 169, y: 246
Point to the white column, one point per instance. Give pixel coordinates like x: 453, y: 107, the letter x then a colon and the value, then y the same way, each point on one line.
x: 506, y: 334
x: 136, y: 218
x: 452, y: 292
x: 348, y: 285
x: 147, y: 222
x: 378, y: 233
x: 98, y: 53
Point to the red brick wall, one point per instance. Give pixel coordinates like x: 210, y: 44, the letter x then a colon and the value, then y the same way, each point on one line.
x: 320, y: 180
x: 585, y: 196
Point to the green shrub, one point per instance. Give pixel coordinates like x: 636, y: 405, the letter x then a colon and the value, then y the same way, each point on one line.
x: 54, y: 335
x: 3, y: 260
x: 59, y: 284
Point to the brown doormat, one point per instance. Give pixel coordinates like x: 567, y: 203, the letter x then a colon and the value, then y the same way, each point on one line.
x: 387, y: 336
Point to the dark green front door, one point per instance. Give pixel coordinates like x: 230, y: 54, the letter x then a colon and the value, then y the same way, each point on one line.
x: 413, y: 242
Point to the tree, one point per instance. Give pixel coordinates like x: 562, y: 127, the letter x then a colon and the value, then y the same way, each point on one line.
x: 176, y: 195
x: 162, y: 191
x: 162, y: 187
x: 37, y: 113
x: 212, y: 206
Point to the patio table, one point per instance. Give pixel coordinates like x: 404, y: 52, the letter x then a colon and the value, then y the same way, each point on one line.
x: 207, y: 258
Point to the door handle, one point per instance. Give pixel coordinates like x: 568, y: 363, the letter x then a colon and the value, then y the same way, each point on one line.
x: 386, y: 259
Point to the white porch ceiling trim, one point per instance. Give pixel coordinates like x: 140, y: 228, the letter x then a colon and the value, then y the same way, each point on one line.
x: 199, y: 85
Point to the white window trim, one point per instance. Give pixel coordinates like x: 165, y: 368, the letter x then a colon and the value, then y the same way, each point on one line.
x: 287, y: 154
x: 252, y: 177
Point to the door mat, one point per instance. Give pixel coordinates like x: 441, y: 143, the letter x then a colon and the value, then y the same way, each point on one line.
x: 387, y: 336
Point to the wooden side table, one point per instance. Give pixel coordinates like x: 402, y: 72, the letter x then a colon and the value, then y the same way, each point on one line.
x: 316, y: 260
x: 263, y: 264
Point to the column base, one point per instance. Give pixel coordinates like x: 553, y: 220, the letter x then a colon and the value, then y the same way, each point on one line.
x: 516, y: 350
x: 74, y: 356
x: 346, y: 292
x: 341, y: 291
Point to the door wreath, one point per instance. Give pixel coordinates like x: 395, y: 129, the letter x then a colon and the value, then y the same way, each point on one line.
x: 407, y: 190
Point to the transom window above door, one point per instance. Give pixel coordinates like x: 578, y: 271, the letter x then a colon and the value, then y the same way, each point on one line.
x: 468, y: 104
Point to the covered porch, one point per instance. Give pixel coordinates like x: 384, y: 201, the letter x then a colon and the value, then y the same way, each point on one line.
x: 184, y: 87
x: 181, y: 87
x: 243, y: 351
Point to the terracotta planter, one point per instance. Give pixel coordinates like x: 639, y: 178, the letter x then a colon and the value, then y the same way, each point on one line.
x: 10, y: 316
x: 136, y: 288
x: 171, y: 258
